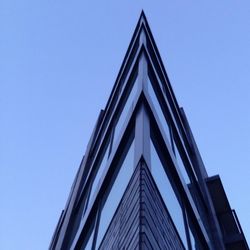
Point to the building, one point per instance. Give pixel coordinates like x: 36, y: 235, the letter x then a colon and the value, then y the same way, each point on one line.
x: 142, y: 183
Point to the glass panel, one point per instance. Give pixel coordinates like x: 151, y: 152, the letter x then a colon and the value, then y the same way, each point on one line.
x: 192, y: 241
x: 181, y: 165
x: 125, y: 111
x: 98, y: 175
x: 116, y: 193
x: 88, y: 246
x: 167, y: 193
x: 195, y: 244
x: 158, y: 109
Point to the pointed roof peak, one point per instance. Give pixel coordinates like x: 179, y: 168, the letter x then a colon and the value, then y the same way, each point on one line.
x: 142, y: 18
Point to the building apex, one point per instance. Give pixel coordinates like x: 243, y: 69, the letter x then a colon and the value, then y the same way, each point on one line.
x: 143, y: 19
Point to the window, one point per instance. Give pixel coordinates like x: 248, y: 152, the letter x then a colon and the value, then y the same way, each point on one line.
x: 88, y: 245
x: 167, y: 131
x: 192, y: 241
x: 181, y: 166
x: 195, y: 243
x: 99, y: 173
x: 115, y: 195
x: 167, y: 193
x: 159, y: 112
x: 125, y: 111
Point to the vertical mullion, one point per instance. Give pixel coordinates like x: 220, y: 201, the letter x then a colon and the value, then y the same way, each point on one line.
x: 142, y: 127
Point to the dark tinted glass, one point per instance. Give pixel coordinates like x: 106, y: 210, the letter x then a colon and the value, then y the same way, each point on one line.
x: 88, y: 246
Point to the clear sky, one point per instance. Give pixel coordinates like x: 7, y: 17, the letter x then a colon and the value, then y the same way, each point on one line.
x: 58, y: 63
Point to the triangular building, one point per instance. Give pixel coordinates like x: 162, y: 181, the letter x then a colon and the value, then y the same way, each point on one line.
x: 142, y: 183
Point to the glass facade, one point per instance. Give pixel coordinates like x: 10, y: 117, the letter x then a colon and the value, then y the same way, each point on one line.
x: 192, y: 241
x: 116, y: 193
x: 98, y: 174
x: 88, y: 245
x: 167, y: 193
x: 125, y: 110
x: 159, y: 112
x: 181, y: 166
x: 156, y: 194
x: 167, y: 130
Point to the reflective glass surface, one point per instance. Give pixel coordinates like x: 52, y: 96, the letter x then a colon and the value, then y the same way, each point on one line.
x: 158, y: 109
x: 116, y: 192
x: 88, y: 246
x: 192, y: 241
x: 98, y: 175
x: 167, y: 193
x: 181, y: 165
x: 125, y: 110
x: 195, y: 244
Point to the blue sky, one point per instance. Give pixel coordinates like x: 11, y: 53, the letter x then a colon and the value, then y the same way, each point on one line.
x: 59, y: 61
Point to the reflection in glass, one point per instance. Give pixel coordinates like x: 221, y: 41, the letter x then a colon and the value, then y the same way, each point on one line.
x: 196, y: 245
x: 181, y: 165
x: 125, y: 111
x: 98, y: 175
x: 167, y: 193
x: 158, y: 109
x: 192, y: 241
x: 115, y: 195
x: 88, y: 246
